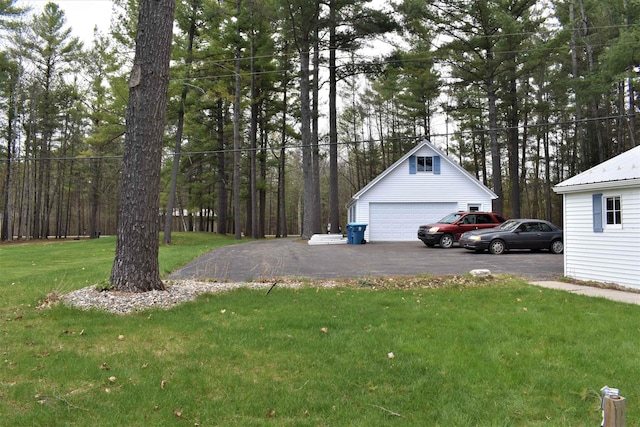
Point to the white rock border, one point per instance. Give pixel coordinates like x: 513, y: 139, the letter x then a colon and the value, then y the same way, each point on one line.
x: 177, y: 292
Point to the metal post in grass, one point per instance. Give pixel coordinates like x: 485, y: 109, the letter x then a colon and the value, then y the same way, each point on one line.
x: 614, y: 411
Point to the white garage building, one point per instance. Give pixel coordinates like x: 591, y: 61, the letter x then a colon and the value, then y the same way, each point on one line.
x: 602, y: 222
x: 422, y: 187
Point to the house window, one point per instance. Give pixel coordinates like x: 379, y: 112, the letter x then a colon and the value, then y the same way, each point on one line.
x: 424, y: 164
x: 613, y: 213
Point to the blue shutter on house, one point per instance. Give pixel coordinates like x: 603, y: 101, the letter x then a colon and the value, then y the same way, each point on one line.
x: 436, y: 165
x: 597, y: 213
x: 412, y: 164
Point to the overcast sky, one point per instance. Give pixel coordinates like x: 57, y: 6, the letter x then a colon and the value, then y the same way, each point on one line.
x: 82, y: 15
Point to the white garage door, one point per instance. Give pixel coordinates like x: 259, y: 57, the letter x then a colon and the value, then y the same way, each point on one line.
x: 400, y: 221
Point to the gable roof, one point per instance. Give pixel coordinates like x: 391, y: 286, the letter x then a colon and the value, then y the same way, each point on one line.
x: 622, y: 170
x: 412, y: 152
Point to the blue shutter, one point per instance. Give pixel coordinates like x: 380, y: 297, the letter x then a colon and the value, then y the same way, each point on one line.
x: 436, y: 165
x: 597, y: 213
x: 412, y: 164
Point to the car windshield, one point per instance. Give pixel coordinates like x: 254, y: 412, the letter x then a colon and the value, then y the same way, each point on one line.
x: 450, y: 219
x: 509, y: 225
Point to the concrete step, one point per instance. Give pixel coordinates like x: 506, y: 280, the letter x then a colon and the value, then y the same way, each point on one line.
x: 327, y: 239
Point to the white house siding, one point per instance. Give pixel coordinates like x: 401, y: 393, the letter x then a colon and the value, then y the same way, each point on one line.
x: 611, y: 256
x: 451, y: 186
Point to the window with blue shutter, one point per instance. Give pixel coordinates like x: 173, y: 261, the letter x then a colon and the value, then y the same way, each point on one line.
x: 597, y: 213
x: 429, y: 164
x: 412, y: 164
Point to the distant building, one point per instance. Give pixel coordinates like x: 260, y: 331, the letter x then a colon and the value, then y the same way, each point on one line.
x: 420, y: 188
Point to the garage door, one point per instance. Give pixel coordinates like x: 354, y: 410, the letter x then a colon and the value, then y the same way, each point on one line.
x: 400, y: 221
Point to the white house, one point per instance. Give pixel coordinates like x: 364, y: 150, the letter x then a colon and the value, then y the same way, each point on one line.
x: 421, y: 187
x: 602, y: 222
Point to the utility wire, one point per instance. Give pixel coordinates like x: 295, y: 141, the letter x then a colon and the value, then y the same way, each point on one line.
x: 343, y: 143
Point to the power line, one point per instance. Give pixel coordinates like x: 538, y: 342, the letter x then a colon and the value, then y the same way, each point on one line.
x: 343, y: 143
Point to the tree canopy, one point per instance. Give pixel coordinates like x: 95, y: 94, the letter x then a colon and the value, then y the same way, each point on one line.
x: 279, y: 110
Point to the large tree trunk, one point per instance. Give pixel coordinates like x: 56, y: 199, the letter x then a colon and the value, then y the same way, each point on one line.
x: 281, y: 227
x: 7, y: 234
x: 315, y: 151
x: 578, y: 140
x: 252, y: 217
x: 513, y: 142
x: 95, y: 199
x: 135, y: 267
x: 178, y: 147
x: 334, y: 208
x: 262, y: 193
x: 304, y: 20
x: 496, y: 170
x: 308, y: 221
x: 237, y: 220
x: 221, y: 173
x: 168, y: 223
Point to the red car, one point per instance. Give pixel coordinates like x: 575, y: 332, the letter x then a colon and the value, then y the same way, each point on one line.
x: 449, y: 229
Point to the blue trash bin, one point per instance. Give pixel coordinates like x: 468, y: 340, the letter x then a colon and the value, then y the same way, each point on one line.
x: 355, y: 232
x: 349, y: 234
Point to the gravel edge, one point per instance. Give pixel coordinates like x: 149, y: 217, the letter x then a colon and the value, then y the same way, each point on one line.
x: 177, y: 292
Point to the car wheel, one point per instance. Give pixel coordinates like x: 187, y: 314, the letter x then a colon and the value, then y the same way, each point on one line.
x: 497, y: 247
x: 446, y: 241
x: 557, y: 247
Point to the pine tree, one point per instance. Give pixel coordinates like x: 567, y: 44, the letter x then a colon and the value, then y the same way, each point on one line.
x: 135, y: 267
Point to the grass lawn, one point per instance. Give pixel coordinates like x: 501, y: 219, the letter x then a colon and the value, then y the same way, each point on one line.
x: 406, y: 351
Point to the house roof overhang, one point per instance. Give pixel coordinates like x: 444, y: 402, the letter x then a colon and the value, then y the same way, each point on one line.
x: 597, y: 186
x: 620, y: 171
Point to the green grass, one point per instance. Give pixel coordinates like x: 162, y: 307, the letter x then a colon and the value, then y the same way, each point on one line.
x: 31, y: 270
x: 496, y: 353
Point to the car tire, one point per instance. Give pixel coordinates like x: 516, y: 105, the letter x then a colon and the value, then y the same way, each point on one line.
x: 497, y: 247
x: 557, y: 247
x: 446, y: 241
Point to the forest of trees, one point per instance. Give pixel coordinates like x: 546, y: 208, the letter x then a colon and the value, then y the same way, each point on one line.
x: 280, y: 110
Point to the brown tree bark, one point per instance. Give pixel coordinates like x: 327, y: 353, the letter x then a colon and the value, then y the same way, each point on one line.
x: 180, y: 127
x: 135, y: 267
x: 334, y: 202
x: 237, y: 219
x: 220, y: 169
x: 281, y: 225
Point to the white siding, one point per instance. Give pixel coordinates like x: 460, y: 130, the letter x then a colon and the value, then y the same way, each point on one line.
x: 399, y: 186
x: 400, y: 221
x: 611, y: 256
x: 448, y: 186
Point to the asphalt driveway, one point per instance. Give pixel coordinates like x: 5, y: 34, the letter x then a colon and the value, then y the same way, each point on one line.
x: 291, y: 257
